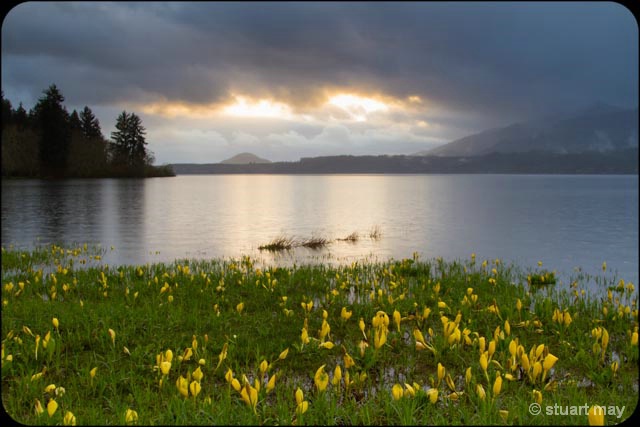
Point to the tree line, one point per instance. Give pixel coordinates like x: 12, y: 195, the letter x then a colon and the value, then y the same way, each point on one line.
x: 48, y: 142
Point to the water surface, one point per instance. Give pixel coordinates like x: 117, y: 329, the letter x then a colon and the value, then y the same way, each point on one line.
x: 567, y: 222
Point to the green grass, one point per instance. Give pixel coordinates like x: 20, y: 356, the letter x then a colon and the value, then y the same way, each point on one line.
x: 223, y: 315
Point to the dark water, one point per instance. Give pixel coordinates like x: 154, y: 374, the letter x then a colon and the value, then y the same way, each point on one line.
x: 564, y: 221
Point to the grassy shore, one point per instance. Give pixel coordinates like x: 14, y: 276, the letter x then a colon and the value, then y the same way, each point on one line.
x: 224, y: 342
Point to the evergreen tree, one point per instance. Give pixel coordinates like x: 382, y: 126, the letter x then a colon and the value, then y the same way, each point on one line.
x: 20, y: 117
x: 129, y: 141
x: 7, y: 111
x: 90, y: 124
x: 74, y: 121
x: 52, y: 121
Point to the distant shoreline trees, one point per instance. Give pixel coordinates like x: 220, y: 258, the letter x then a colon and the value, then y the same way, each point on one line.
x: 48, y: 142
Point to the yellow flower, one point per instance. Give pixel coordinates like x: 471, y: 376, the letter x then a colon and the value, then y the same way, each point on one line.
x: 183, y: 386
x: 321, y: 378
x: 504, y: 414
x: 397, y: 392
x: 235, y: 384
x: 272, y: 383
x: 432, y: 393
x: 165, y: 367
x: 304, y: 336
x: 130, y: 416
x: 345, y: 314
x: 240, y: 307
x: 263, y: 367
x: 361, y: 326
x: 468, y: 375
x: 614, y: 367
x: 168, y: 355
x: 328, y: 345
x: 223, y: 354
x: 634, y: 338
x: 497, y: 386
x: 49, y: 388
x: 480, y: 391
x: 567, y: 318
x: 507, y: 327
x: 283, y: 355
x: 249, y: 395
x: 202, y: 362
x: 380, y: 337
x: 481, y: 344
x: 38, y: 407
x: 69, y: 419
x: 549, y: 361
x: 337, y: 376
x: 197, y: 374
x: 195, y: 388
x: 112, y: 334
x: 299, y: 396
x: 484, y: 363
x: 397, y: 319
x: 537, y: 396
x: 56, y: 324
x: 441, y: 371
x: 348, y: 361
x: 52, y: 406
x: 596, y: 415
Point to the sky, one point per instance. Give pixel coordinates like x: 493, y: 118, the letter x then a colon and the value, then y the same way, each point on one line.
x: 286, y: 80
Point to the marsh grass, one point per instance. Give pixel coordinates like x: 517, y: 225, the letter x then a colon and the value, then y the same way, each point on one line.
x: 352, y: 238
x: 280, y: 243
x: 314, y: 242
x: 221, y: 315
x: 375, y: 233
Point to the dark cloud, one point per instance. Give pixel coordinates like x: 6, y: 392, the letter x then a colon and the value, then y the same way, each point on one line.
x: 498, y: 61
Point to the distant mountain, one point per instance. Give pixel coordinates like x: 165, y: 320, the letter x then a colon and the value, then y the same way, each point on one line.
x: 244, y: 159
x: 598, y: 128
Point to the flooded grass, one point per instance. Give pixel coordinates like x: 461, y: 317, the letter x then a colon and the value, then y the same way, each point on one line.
x: 227, y: 342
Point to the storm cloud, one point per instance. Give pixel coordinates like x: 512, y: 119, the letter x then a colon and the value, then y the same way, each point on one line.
x: 475, y: 65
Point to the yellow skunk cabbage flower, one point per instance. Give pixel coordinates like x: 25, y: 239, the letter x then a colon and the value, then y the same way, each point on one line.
x: 441, y: 371
x: 397, y: 319
x: 235, y: 384
x: 302, y: 405
x: 250, y: 395
x: 337, y: 376
x: 634, y: 338
x: 38, y: 407
x: 197, y: 374
x: 304, y: 336
x: 484, y: 363
x: 344, y: 314
x: 321, y: 379
x: 348, y: 361
x: 468, y: 376
x: 567, y: 318
x: 130, y: 416
x: 480, y: 392
x: 183, y: 386
x: 56, y: 324
x: 361, y: 326
x: 69, y: 419
x: 380, y: 337
x: 272, y: 383
x: 432, y: 393
x: 497, y: 385
x: 52, y: 406
x: 507, y: 327
x: 397, y: 392
x: 549, y: 361
x: 518, y: 305
x: 284, y: 354
x: 240, y: 307
x: 263, y: 367
x: 596, y: 415
x: 537, y: 396
x: 112, y: 334
x: 195, y: 388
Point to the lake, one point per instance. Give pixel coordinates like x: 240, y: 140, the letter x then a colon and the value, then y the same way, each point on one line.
x: 565, y: 221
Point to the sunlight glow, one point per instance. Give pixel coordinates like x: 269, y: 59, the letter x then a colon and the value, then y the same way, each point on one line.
x: 357, y: 106
x: 244, y: 107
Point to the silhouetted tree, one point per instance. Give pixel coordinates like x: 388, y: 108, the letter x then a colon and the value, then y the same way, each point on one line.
x: 129, y: 141
x: 74, y: 121
x: 7, y: 111
x: 52, y: 121
x: 20, y: 117
x: 90, y: 124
